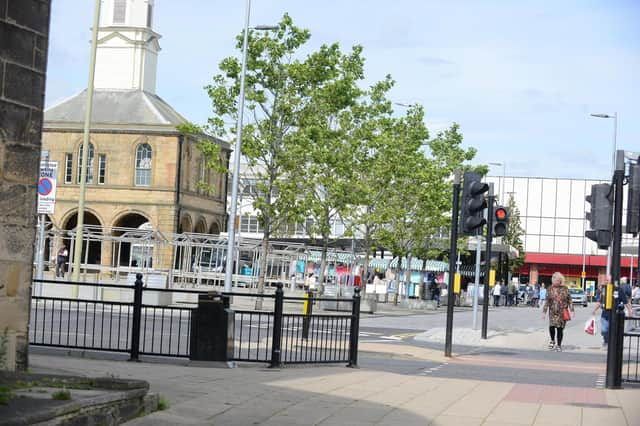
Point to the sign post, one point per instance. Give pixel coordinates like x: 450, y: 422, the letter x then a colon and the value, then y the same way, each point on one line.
x: 46, y: 205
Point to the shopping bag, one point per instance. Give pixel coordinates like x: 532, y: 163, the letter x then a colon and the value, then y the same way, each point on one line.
x: 590, y: 326
x: 566, y: 315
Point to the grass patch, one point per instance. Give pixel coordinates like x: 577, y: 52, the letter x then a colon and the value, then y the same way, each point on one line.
x: 5, y: 394
x: 61, y: 395
x: 163, y: 403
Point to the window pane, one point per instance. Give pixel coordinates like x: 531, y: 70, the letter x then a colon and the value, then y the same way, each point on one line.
x: 549, y: 197
x: 532, y: 225
x: 562, y: 227
x: 149, y: 15
x: 547, y: 227
x: 578, y: 192
x: 89, y: 164
x: 562, y: 199
x: 546, y: 244
x: 119, y: 11
x: 534, y: 198
x: 68, y: 168
x: 575, y: 245
x: 143, y: 165
x: 102, y: 168
x: 561, y: 245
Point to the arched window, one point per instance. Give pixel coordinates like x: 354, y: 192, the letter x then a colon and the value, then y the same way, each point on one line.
x: 119, y: 11
x: 89, y: 163
x: 143, y: 165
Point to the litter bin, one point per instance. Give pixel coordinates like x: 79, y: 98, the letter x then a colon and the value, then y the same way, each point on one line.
x: 212, y: 326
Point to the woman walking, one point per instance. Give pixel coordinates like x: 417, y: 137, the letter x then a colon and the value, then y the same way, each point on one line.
x: 558, y: 301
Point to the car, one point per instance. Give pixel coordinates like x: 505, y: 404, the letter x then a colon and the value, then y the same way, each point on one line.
x: 578, y: 297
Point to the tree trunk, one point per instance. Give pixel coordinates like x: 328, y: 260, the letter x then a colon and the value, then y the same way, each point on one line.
x: 423, y: 293
x: 397, y: 280
x: 264, y: 253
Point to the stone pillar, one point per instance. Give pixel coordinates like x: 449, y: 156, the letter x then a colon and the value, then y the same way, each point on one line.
x: 533, y: 274
x: 24, y: 32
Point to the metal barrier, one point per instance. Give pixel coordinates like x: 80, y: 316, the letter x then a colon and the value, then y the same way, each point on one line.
x: 273, y: 337
x: 631, y: 350
x: 280, y: 337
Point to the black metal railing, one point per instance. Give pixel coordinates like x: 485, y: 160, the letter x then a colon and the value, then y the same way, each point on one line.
x: 631, y: 350
x: 131, y: 326
x: 281, y: 336
x: 272, y: 336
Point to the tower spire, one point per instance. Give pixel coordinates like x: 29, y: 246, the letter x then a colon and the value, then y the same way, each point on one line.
x: 127, y: 52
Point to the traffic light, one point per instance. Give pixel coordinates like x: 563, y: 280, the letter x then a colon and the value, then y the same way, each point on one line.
x: 601, y: 200
x: 473, y: 204
x: 500, y: 221
x: 633, y: 201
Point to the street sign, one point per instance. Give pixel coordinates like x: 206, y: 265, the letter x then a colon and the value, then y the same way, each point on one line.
x: 47, y: 187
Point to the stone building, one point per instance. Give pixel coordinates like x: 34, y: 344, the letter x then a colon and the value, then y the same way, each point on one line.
x: 24, y: 39
x: 141, y: 169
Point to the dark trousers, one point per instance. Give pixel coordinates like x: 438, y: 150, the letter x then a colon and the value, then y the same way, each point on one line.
x: 60, y: 268
x: 496, y: 300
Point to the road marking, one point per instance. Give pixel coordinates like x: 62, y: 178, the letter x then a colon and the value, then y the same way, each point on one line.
x: 600, y: 381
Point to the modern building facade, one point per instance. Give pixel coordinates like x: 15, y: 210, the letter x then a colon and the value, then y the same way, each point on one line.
x: 552, y: 213
x: 142, y: 170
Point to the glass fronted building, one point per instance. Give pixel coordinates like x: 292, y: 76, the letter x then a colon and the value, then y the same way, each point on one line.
x: 552, y: 214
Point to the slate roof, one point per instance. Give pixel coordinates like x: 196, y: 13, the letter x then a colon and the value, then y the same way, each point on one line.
x: 115, y: 109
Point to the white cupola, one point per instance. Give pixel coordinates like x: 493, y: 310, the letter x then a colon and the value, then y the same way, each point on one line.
x: 127, y: 51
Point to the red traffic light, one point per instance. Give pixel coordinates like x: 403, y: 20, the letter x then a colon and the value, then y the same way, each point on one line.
x: 501, y: 213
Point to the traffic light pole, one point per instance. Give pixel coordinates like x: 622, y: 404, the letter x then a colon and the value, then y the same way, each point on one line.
x: 487, y: 261
x: 614, y: 350
x: 452, y: 262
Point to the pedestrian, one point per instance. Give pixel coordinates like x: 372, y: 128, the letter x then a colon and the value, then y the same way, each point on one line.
x: 536, y: 295
x: 496, y: 294
x: 557, y: 301
x: 605, y: 316
x: 61, y: 260
x: 511, y: 293
x: 543, y: 294
x: 503, y: 293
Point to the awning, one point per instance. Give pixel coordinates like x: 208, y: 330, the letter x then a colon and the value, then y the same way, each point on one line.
x: 416, y: 265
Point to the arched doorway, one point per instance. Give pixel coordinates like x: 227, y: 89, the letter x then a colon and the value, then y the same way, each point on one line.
x: 124, y: 252
x: 215, y: 229
x: 186, y: 225
x: 93, y: 229
x: 201, y: 227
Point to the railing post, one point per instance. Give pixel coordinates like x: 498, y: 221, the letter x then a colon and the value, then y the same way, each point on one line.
x: 276, y: 343
x: 308, y: 312
x: 355, y: 329
x: 615, y: 355
x: 137, y: 316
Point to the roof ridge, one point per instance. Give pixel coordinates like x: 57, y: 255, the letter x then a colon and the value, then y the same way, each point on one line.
x: 153, y: 108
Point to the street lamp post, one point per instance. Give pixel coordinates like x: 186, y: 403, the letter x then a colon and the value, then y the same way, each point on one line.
x: 231, y: 230
x: 77, y: 253
x: 613, y: 167
x: 504, y: 179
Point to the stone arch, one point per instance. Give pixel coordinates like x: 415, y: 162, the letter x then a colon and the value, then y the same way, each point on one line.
x: 186, y: 224
x: 215, y: 228
x: 70, y: 221
x: 201, y: 226
x: 123, y: 251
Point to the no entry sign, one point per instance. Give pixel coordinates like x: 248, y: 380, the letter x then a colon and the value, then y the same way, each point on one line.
x: 47, y: 187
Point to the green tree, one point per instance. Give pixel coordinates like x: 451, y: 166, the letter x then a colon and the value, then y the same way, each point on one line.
x: 275, y: 86
x: 515, y: 232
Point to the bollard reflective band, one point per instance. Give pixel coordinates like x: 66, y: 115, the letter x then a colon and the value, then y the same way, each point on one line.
x: 609, y: 295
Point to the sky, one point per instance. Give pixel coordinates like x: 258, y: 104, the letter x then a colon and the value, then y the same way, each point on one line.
x: 521, y: 78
